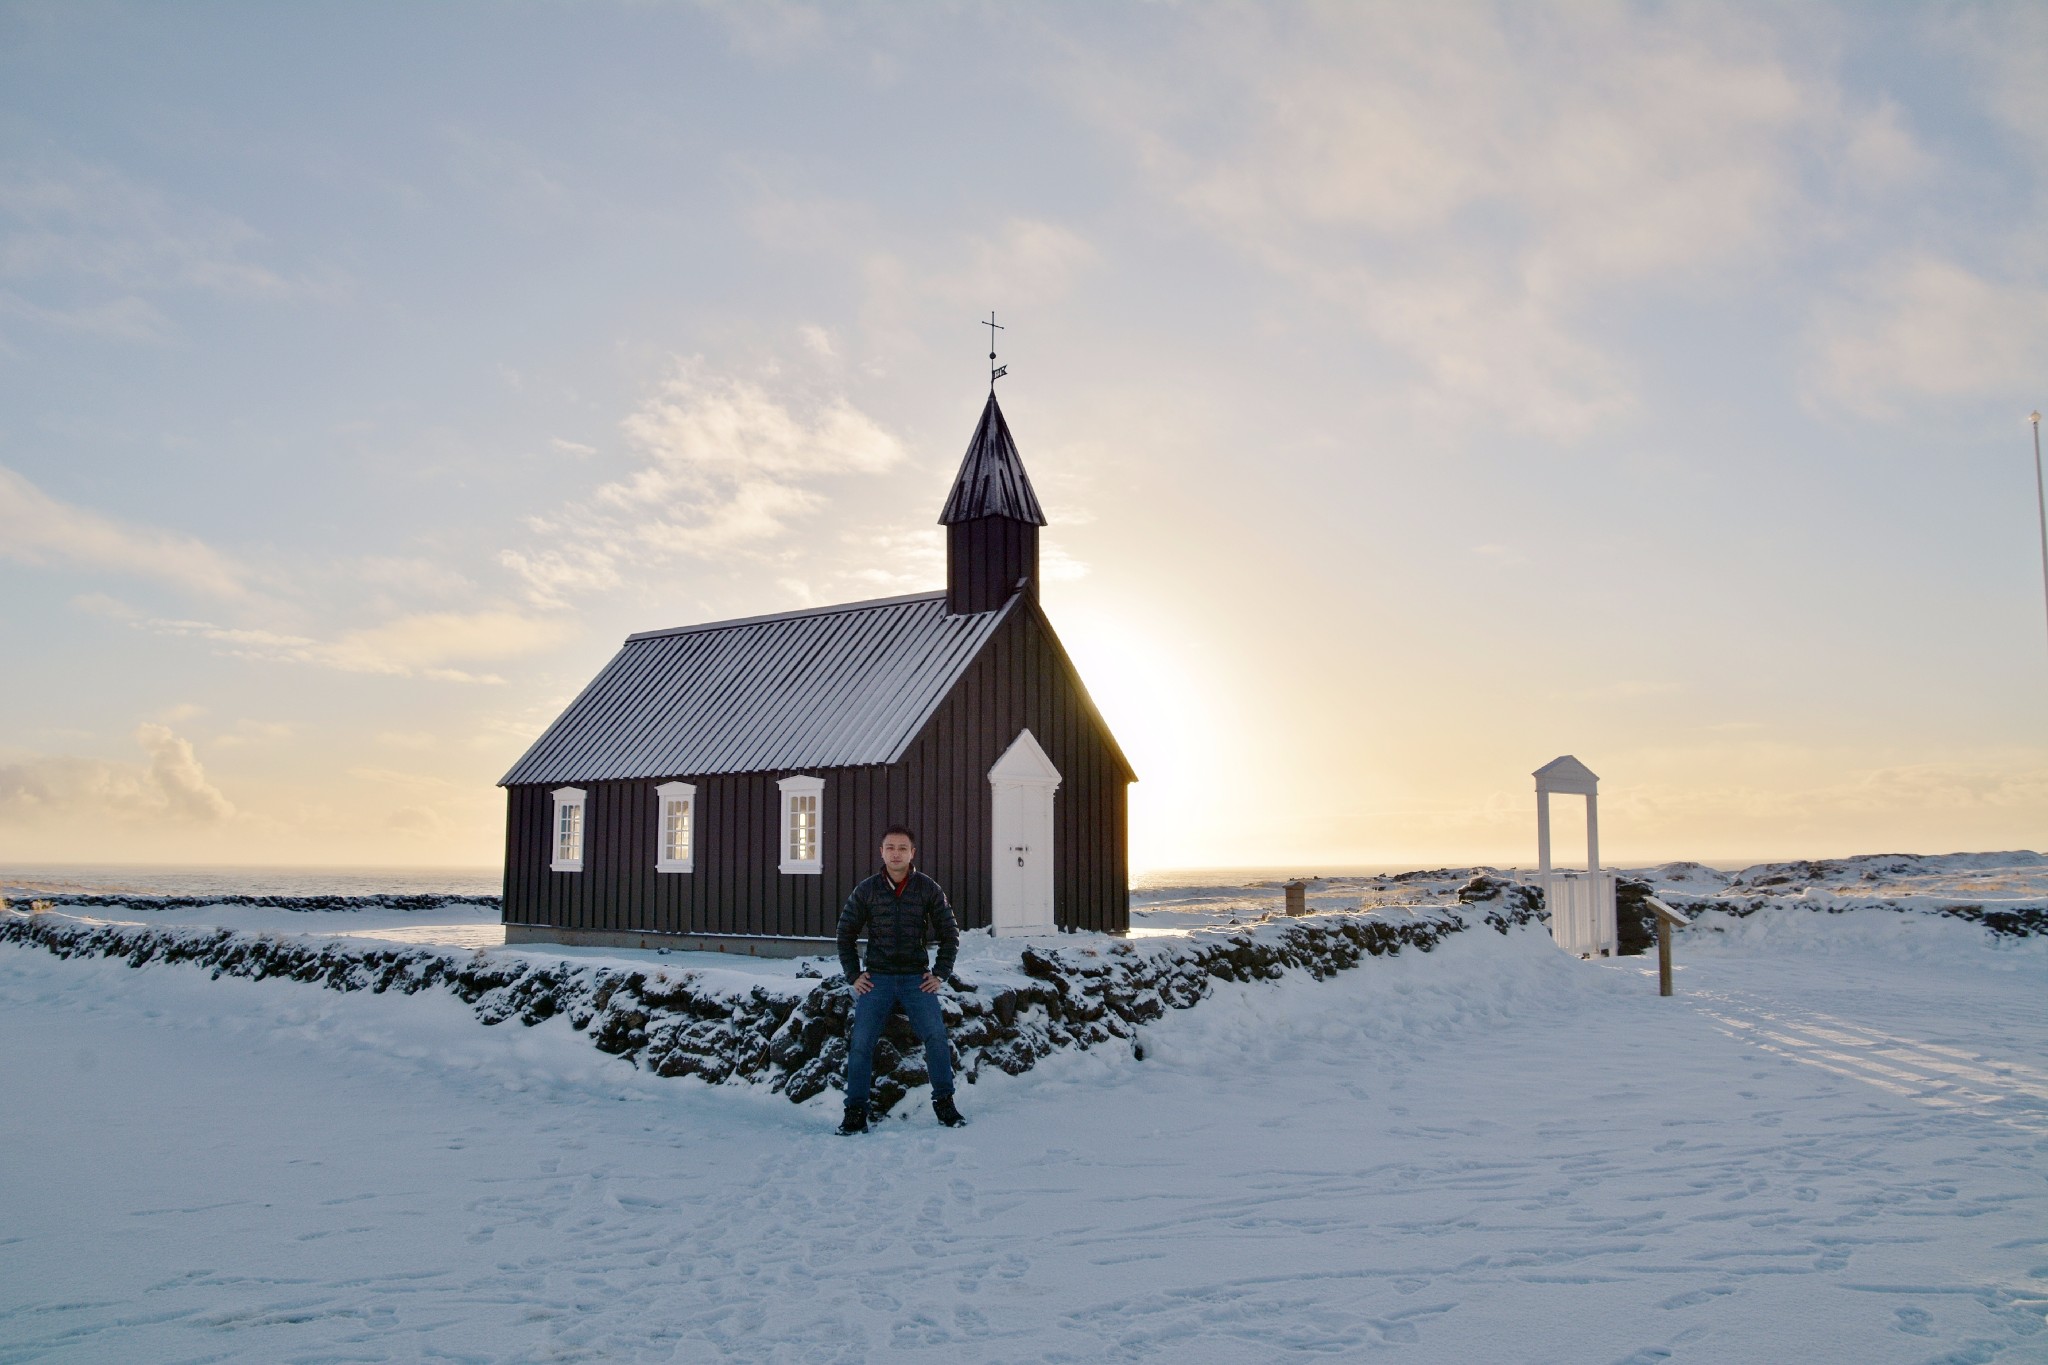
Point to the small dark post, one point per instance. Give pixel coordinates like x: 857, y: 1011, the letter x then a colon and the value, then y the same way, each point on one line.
x: 1667, y: 920
x: 1297, y: 898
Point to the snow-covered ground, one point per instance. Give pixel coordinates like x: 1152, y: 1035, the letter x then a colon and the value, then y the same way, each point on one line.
x: 1832, y: 1144
x: 1993, y: 880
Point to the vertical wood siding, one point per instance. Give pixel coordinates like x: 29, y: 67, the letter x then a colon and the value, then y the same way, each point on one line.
x: 736, y: 886
x: 940, y: 789
x: 1022, y: 681
x: 984, y: 559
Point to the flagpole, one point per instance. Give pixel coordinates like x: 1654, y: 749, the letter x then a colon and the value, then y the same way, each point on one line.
x: 2040, y: 503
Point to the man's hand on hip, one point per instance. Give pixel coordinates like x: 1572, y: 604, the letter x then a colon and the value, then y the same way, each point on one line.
x: 930, y: 984
x: 861, y: 984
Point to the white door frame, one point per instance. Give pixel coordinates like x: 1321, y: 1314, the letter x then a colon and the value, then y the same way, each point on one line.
x: 1582, y: 914
x: 1022, y: 785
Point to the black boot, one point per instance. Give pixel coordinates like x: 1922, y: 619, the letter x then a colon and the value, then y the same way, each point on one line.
x: 948, y: 1112
x: 855, y: 1121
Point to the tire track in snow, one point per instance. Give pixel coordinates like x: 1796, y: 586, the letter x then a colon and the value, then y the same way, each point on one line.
x: 1932, y: 1074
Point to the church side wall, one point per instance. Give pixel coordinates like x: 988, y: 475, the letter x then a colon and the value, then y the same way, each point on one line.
x: 736, y: 887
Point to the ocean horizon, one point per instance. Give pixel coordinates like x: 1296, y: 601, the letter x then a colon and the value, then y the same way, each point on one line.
x: 164, y: 879
x: 222, y: 879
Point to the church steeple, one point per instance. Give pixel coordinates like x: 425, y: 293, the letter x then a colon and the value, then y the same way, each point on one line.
x: 991, y: 519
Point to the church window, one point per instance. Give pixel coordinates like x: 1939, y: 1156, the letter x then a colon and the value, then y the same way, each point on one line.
x: 568, y: 822
x: 803, y: 809
x: 676, y: 834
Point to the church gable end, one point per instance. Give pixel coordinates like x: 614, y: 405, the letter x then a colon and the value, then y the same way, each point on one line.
x: 1023, y: 680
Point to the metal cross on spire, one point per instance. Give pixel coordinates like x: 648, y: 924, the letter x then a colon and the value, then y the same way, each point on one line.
x: 995, y: 371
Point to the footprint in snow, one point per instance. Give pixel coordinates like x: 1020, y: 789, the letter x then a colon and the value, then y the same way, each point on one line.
x: 1914, y: 1321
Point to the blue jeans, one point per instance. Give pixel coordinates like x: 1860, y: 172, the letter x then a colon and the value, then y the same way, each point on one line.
x: 871, y: 1011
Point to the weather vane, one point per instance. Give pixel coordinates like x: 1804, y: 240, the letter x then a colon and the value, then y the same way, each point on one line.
x: 995, y: 371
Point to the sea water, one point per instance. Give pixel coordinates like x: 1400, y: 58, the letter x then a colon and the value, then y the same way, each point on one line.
x: 141, y: 879
x: 20, y: 879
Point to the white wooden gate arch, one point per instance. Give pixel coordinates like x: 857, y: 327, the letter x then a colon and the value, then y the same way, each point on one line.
x: 1582, y: 916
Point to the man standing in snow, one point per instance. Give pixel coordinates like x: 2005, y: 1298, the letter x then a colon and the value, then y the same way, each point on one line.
x: 901, y: 911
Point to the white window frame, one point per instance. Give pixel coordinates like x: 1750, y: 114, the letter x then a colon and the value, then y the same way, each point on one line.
x: 567, y: 799
x: 792, y: 788
x: 664, y: 794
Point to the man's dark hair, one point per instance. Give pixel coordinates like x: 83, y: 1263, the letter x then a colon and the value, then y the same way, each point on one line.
x: 903, y: 830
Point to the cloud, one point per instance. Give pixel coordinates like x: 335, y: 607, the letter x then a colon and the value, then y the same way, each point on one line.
x: 428, y: 798
x: 417, y: 822
x: 422, y: 644
x: 702, y: 428
x: 2003, y: 45
x: 171, y: 786
x: 1793, y: 793
x: 507, y: 169
x: 1948, y: 786
x: 1469, y: 185
x: 818, y: 341
x: 100, y: 604
x: 880, y: 563
x: 905, y: 267
x: 127, y: 318
x: 1030, y: 258
x: 1619, y: 690
x: 253, y: 733
x: 36, y: 528
x: 175, y: 774
x: 554, y: 576
x: 778, y: 31
x: 428, y: 641
x: 1926, y: 327
x: 726, y: 470
x: 409, y: 574
x: 1032, y: 263
x: 104, y: 240
x: 1056, y: 565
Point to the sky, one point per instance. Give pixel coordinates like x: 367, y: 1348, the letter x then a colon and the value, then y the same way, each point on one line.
x: 1416, y: 393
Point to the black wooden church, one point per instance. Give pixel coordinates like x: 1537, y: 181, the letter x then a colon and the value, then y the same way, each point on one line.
x: 725, y: 785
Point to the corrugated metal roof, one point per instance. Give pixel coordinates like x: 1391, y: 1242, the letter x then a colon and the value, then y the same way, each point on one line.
x: 807, y: 689
x: 992, y: 481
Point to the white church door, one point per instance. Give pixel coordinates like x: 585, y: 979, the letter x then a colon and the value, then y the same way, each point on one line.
x: 1022, y: 783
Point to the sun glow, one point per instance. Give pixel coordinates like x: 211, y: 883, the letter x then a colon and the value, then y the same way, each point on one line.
x: 1147, y: 682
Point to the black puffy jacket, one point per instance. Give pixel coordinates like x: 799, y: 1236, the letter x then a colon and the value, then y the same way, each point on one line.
x: 898, y: 926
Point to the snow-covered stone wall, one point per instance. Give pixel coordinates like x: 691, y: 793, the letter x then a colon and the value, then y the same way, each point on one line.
x: 2005, y: 893
x: 77, y: 900
x: 789, y: 1033
x: 1009, y: 1006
